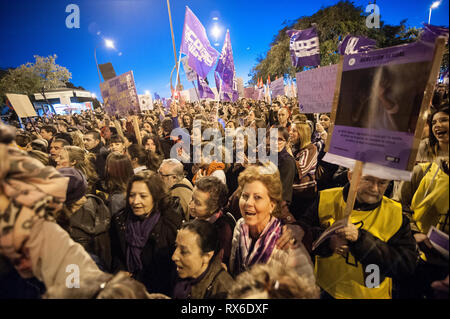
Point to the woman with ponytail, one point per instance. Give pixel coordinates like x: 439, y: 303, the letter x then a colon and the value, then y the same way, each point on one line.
x: 142, y: 159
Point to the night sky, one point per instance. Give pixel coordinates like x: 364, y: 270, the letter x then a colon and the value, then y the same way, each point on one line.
x: 141, y: 32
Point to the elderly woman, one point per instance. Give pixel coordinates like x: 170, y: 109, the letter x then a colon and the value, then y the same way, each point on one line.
x: 256, y: 233
x: 208, y: 198
x: 200, y: 271
x: 145, y: 233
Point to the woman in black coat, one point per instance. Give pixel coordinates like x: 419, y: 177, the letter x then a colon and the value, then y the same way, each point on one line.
x: 144, y: 233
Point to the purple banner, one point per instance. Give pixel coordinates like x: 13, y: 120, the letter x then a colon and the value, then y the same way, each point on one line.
x: 316, y: 89
x: 431, y: 32
x: 356, y: 44
x: 225, y: 66
x: 195, y: 44
x: 120, y: 95
x: 379, y: 104
x: 203, y: 89
x: 304, y: 47
x: 277, y: 87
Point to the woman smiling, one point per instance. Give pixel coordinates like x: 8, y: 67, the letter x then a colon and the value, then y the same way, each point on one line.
x: 256, y: 233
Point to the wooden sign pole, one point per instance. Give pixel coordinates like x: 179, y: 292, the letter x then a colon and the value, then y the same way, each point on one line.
x: 137, y: 131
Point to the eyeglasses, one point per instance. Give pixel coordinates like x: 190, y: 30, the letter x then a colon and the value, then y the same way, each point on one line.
x: 165, y: 175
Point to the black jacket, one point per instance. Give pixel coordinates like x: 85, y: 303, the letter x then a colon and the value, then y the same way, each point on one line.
x: 287, y: 168
x: 159, y: 271
x: 89, y: 226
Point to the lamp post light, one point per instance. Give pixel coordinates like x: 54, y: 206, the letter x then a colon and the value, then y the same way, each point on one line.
x: 433, y: 6
x: 109, y: 44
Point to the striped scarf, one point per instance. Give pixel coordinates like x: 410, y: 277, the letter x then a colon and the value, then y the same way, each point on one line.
x: 263, y: 247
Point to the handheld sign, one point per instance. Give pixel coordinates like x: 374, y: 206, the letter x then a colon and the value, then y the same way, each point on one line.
x: 21, y: 104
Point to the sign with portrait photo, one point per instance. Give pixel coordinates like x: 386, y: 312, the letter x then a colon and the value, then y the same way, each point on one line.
x: 379, y: 101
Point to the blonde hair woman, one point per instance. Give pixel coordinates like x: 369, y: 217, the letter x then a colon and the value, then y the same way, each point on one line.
x: 74, y: 156
x: 305, y: 154
x: 257, y: 232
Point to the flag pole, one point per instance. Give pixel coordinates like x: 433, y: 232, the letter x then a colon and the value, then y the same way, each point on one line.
x: 173, y: 42
x: 196, y: 92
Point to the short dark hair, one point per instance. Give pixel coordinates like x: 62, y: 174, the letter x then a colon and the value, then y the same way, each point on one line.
x: 49, y: 128
x: 218, y: 192
x: 96, y: 135
x: 64, y: 136
x: 167, y: 126
x: 62, y: 141
x: 208, y: 239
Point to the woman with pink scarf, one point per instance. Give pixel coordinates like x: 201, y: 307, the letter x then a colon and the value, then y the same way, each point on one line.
x: 257, y: 232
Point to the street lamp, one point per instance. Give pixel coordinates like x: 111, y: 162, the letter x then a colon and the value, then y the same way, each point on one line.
x: 433, y: 6
x: 109, y: 44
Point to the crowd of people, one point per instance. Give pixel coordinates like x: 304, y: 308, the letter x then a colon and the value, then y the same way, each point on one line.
x: 97, y: 206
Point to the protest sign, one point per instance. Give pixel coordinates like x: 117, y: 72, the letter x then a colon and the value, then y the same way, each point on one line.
x: 190, y: 73
x: 107, y: 71
x: 379, y: 101
x: 277, y: 87
x: 119, y: 95
x: 249, y: 92
x: 21, y: 104
x: 316, y: 89
x: 240, y: 86
x: 145, y: 102
x: 193, y: 95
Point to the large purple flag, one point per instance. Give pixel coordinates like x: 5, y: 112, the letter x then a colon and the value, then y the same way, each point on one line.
x: 356, y: 44
x: 304, y: 47
x: 431, y: 32
x: 203, y: 89
x: 195, y: 44
x: 225, y: 66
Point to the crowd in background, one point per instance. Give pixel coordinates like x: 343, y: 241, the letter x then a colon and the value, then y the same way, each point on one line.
x: 96, y: 191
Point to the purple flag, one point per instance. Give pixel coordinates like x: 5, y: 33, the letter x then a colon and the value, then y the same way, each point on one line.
x: 225, y: 66
x: 203, y: 89
x: 304, y: 47
x: 356, y: 44
x: 195, y: 44
x: 431, y: 32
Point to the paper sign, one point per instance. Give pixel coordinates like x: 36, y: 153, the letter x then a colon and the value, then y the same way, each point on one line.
x: 379, y: 103
x: 277, y: 87
x: 120, y: 95
x: 145, y: 102
x: 316, y: 89
x: 21, y: 104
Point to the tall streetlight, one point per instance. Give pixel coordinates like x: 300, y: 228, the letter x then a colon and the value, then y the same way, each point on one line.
x: 108, y: 44
x: 433, y: 6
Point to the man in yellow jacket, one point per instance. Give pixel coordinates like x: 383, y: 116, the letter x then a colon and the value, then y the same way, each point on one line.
x: 361, y: 258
